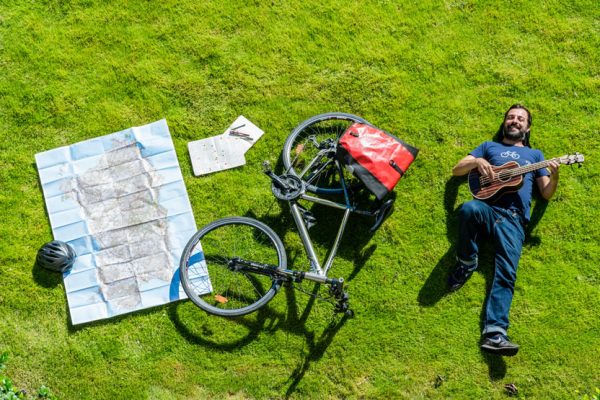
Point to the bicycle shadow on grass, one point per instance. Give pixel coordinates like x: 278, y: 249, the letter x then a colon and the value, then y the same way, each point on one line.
x: 206, y: 333
x: 266, y: 319
x: 316, y: 346
x: 436, y: 287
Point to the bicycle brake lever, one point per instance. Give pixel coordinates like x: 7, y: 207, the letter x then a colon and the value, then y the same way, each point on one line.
x: 313, y: 140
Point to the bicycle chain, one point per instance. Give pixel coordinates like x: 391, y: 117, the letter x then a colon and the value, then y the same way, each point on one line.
x: 318, y: 296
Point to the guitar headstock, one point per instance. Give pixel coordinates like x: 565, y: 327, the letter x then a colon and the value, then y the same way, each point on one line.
x: 571, y: 159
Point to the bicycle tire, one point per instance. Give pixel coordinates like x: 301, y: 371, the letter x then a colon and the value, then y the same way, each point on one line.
x: 298, y: 150
x: 231, y: 293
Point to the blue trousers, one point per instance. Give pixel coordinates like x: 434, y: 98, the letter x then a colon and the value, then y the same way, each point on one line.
x: 505, y: 228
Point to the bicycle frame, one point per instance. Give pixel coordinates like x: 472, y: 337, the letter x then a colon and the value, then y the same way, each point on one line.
x: 318, y: 273
x: 232, y: 290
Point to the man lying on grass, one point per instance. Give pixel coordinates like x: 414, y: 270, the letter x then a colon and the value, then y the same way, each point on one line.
x: 499, y: 212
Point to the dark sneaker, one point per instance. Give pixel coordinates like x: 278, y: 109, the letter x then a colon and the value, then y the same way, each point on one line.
x: 499, y: 344
x: 460, y: 275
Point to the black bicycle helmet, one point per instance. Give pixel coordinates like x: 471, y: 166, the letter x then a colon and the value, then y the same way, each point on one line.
x: 56, y: 256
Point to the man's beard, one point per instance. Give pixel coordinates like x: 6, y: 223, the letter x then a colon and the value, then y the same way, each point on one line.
x: 512, y: 135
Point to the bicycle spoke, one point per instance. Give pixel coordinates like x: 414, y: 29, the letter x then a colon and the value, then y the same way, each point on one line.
x: 310, y: 149
x: 235, y: 291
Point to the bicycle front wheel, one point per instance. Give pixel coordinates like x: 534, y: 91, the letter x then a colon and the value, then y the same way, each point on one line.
x: 309, y: 152
x: 227, y: 267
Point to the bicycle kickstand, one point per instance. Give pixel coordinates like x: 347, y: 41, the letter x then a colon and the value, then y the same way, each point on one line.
x: 342, y: 304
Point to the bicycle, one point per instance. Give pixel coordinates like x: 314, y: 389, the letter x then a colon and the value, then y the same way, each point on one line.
x: 235, y: 265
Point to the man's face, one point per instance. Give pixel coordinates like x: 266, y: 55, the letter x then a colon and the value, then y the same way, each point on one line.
x: 515, y: 124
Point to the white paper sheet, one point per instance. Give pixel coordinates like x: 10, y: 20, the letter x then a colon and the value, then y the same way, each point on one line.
x: 224, y: 151
x: 121, y: 202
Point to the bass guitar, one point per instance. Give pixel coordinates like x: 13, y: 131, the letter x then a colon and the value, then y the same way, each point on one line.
x: 509, y: 177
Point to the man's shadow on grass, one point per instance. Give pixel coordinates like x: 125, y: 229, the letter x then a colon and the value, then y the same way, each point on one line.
x: 436, y: 286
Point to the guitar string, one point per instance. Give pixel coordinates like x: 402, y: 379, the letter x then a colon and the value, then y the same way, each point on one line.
x: 509, y: 173
x: 504, y: 175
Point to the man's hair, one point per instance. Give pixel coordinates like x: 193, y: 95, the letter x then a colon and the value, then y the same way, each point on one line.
x: 500, y: 134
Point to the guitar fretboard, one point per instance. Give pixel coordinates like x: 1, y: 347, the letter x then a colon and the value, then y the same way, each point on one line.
x: 531, y: 167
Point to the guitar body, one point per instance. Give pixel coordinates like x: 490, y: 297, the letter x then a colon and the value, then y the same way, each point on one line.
x: 491, y: 190
x: 509, y: 177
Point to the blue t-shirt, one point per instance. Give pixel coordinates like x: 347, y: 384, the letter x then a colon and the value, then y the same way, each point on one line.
x: 499, y: 153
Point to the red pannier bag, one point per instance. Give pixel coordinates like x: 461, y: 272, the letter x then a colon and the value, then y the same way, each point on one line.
x: 377, y: 158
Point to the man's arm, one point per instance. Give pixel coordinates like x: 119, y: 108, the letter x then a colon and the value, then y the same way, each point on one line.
x: 469, y: 162
x: 547, y: 184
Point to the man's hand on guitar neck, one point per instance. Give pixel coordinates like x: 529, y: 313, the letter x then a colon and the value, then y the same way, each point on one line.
x: 553, y: 167
x: 469, y: 162
x: 548, y: 184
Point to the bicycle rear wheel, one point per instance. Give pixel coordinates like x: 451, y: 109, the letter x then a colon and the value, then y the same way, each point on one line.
x: 227, y: 267
x: 309, y: 152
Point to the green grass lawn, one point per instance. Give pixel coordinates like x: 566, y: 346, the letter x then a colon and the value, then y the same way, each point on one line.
x: 438, y: 74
